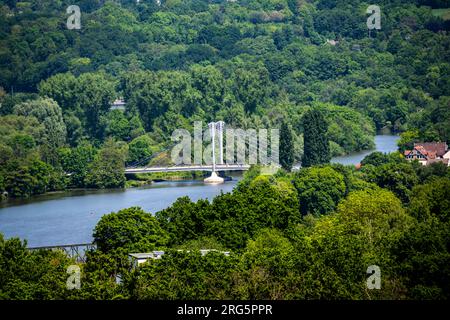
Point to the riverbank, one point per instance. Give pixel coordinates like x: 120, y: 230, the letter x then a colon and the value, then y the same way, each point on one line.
x: 70, y: 217
x: 65, y: 217
x: 143, y: 179
x: 383, y: 143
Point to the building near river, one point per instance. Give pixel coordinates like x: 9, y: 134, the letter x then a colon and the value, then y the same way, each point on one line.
x: 429, y: 152
x: 118, y: 104
x: 139, y: 258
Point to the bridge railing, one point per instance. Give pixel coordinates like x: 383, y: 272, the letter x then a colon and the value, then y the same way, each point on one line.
x: 75, y: 251
x: 219, y: 167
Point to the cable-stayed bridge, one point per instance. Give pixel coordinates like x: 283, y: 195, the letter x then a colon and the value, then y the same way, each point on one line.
x: 208, y: 168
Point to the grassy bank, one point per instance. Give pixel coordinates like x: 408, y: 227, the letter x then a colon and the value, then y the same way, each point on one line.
x: 141, y: 179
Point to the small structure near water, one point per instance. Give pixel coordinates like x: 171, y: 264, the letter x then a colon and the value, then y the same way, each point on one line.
x: 118, y: 104
x: 429, y: 152
x: 139, y: 258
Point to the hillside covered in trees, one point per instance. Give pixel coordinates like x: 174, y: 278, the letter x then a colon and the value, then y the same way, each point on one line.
x: 253, y: 64
x: 310, y: 68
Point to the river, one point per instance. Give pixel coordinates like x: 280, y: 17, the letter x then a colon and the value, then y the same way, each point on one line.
x: 70, y: 217
x: 383, y: 143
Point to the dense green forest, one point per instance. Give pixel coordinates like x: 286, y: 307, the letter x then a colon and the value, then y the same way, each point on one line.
x: 305, y: 235
x: 253, y: 64
x: 310, y: 68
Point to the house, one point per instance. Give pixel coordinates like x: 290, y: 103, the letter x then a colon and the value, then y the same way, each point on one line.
x: 429, y: 152
x: 332, y: 42
x: 447, y: 156
x: 138, y: 258
x: 118, y: 104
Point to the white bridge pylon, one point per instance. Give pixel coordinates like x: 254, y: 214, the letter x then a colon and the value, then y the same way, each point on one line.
x: 213, y: 128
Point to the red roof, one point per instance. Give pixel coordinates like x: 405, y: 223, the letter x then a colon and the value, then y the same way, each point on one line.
x: 432, y: 148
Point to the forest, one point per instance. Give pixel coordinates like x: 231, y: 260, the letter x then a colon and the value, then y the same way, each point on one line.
x: 310, y: 68
x: 253, y: 64
x: 305, y: 235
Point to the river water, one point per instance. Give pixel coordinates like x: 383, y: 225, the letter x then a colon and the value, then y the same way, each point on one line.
x: 70, y: 217
x: 383, y: 143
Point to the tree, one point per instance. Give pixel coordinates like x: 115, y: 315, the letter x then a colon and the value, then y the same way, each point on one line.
x: 267, y: 267
x: 316, y: 145
x: 61, y: 88
x: 94, y: 96
x: 140, y: 149
x: 319, y: 190
x: 407, y: 140
x: 185, y: 220
x: 377, y: 159
x: 422, y: 259
x: 117, y: 125
x: 399, y: 177
x: 286, y: 147
x: 266, y: 202
x: 50, y: 115
x: 89, y: 96
x: 431, y: 199
x: 108, y: 168
x: 378, y: 215
x: 251, y: 86
x: 76, y: 161
x: 131, y: 229
x: 29, y: 177
x: 209, y: 277
x: 32, y: 275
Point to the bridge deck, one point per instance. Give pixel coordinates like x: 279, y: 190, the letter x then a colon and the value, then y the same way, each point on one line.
x: 220, y: 167
x: 75, y: 251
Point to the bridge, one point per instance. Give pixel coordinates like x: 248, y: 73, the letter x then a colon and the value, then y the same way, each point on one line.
x: 74, y: 251
x: 218, y: 167
x: 216, y: 130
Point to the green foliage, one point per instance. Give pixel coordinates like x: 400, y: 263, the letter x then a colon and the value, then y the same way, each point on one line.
x: 309, y: 235
x: 140, y: 149
x: 422, y: 260
x: 89, y: 96
x: 317, y: 149
x: 431, y: 199
x: 184, y: 220
x: 208, y: 277
x: 377, y: 159
x: 319, y: 190
x: 75, y: 162
x: 275, y: 253
x: 130, y: 229
x: 400, y: 178
x: 286, y: 147
x: 107, y: 170
x: 47, y: 112
x: 233, y: 218
x: 25, y: 275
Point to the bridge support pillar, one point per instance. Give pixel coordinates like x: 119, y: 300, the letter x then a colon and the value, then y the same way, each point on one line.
x: 214, y: 179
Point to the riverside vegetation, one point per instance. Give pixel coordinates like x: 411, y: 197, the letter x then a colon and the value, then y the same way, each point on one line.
x: 305, y: 235
x: 253, y: 64
x: 309, y: 234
